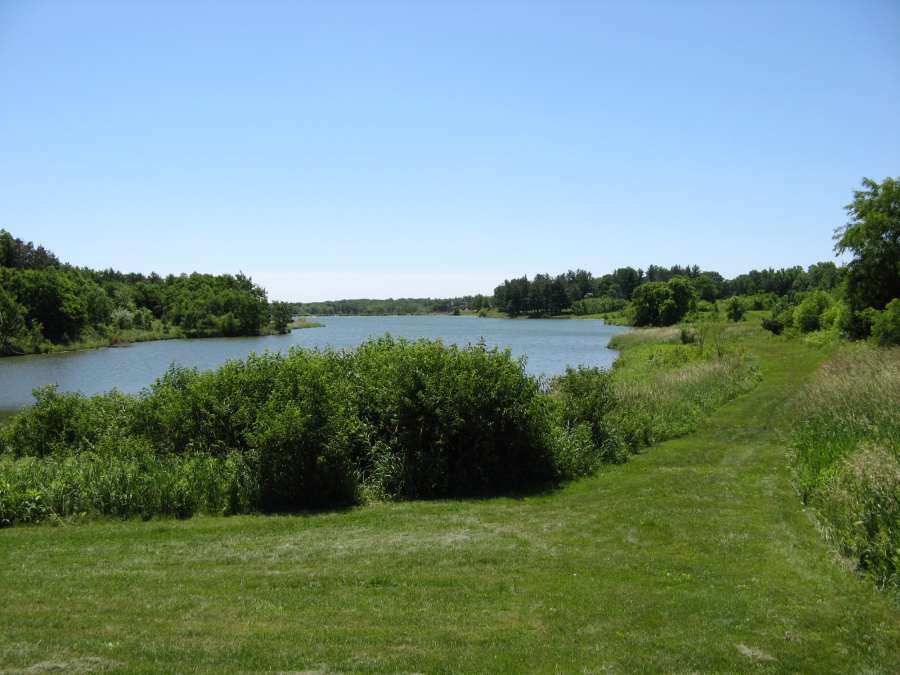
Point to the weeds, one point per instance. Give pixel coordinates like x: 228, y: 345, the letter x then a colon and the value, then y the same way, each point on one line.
x: 846, y: 452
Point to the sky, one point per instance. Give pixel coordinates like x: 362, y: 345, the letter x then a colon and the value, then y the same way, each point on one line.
x: 394, y: 149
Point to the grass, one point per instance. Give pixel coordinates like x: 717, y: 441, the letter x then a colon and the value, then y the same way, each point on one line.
x: 665, y: 389
x: 119, y: 337
x: 125, y: 336
x: 694, y: 556
x: 301, y: 322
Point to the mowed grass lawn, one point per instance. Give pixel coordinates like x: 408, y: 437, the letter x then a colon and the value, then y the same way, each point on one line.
x: 695, y: 556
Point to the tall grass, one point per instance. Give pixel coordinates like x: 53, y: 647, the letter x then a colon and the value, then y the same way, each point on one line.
x: 668, y: 391
x: 129, y: 483
x: 665, y: 383
x: 847, y: 454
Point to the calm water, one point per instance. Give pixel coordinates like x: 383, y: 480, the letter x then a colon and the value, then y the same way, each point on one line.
x: 549, y: 346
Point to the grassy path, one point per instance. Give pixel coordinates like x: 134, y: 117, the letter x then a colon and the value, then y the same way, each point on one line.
x: 695, y: 556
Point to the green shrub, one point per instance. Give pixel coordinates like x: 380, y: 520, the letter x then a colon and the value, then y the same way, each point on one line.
x: 307, y: 438
x: 773, y: 325
x: 808, y: 314
x: 574, y: 452
x: 886, y: 325
x: 658, y: 303
x: 735, y: 309
x: 391, y: 419
x: 185, y: 411
x: 586, y: 399
x: 308, y: 430
x: 459, y: 421
x: 64, y: 423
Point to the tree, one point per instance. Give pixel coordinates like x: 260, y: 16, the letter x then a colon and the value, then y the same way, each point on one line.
x: 872, y: 235
x: 658, y: 303
x: 648, y: 301
x: 281, y: 316
x: 11, y: 321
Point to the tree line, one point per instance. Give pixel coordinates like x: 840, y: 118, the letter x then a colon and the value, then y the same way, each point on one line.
x: 389, y: 306
x: 580, y: 290
x: 44, y: 302
x: 858, y: 299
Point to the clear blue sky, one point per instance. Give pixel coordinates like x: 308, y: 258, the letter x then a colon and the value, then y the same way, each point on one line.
x: 373, y: 149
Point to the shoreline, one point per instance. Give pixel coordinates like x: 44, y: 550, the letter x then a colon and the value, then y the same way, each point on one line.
x: 131, y: 338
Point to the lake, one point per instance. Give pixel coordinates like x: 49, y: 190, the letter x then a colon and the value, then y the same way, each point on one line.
x: 549, y: 345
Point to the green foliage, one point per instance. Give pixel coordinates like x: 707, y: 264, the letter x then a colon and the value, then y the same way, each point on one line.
x: 22, y: 255
x: 282, y: 314
x: 662, y: 303
x: 848, y: 424
x: 390, y: 420
x: 872, y: 235
x: 390, y: 306
x: 735, y: 309
x: 886, y: 325
x: 12, y: 316
x: 860, y: 501
x: 122, y: 318
x: 808, y: 315
x: 459, y: 421
x: 600, y: 305
x: 773, y: 324
x: 129, y: 482
x: 42, y: 301
x: 64, y: 423
x: 315, y: 429
x: 307, y: 437
x: 574, y: 453
x: 586, y: 400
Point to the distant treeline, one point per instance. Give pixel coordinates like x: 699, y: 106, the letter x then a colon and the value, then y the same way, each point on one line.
x: 390, y: 306
x: 44, y: 302
x: 583, y: 293
x: 858, y: 300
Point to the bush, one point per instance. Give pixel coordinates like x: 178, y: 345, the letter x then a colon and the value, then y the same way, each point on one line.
x: 457, y: 421
x: 658, y: 303
x: 586, y: 399
x: 64, y: 423
x: 313, y: 429
x: 122, y: 318
x: 808, y: 314
x: 886, y: 325
x: 773, y: 325
x: 574, y: 452
x: 391, y: 419
x: 307, y: 439
x: 600, y: 305
x: 735, y: 309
